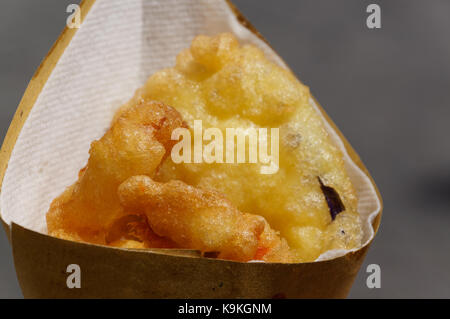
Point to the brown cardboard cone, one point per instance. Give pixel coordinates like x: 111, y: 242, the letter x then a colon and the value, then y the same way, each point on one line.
x: 41, y: 261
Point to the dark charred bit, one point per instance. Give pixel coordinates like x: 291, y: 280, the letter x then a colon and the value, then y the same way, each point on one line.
x: 211, y: 254
x: 333, y: 200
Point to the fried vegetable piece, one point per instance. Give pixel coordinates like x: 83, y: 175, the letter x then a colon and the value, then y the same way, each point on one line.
x: 198, y: 218
x: 136, y: 143
x: 228, y: 85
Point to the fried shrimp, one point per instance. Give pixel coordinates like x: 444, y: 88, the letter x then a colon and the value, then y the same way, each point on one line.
x: 194, y: 218
x: 136, y: 143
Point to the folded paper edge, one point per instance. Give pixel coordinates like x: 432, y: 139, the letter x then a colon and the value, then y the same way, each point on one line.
x: 33, y: 91
x: 43, y: 72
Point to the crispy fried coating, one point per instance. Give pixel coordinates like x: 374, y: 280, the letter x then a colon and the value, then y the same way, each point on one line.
x: 133, y: 231
x: 227, y: 85
x: 136, y: 143
x: 193, y: 217
x: 273, y: 248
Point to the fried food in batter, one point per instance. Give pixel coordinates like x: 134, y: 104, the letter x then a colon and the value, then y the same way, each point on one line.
x: 306, y: 208
x: 231, y: 86
x: 194, y: 217
x: 136, y: 143
x: 133, y: 231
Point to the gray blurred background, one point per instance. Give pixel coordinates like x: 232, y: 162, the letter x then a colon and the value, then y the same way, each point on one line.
x: 388, y: 90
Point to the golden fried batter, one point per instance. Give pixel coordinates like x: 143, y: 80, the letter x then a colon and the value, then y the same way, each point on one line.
x: 136, y: 143
x: 133, y: 231
x: 272, y: 248
x: 197, y: 218
x: 131, y: 194
x: 231, y: 86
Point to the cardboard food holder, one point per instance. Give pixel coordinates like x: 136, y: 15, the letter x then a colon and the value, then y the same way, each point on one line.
x: 70, y: 101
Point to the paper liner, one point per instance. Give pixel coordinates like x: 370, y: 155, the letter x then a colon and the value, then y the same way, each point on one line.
x: 70, y: 101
